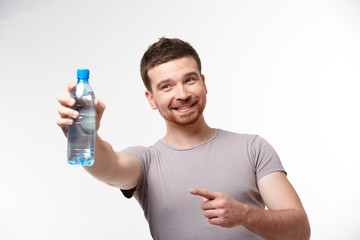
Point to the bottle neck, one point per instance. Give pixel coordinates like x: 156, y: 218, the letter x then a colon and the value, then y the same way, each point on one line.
x: 84, y: 80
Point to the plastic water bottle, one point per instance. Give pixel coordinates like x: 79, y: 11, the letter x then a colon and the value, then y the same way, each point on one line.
x: 81, y: 134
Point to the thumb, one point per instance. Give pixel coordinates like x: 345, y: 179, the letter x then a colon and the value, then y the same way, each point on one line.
x: 100, y: 108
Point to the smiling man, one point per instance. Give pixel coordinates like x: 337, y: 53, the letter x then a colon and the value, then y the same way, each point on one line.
x: 182, y: 94
x: 197, y: 182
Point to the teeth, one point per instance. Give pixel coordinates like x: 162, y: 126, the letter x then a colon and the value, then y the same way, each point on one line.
x: 183, y: 107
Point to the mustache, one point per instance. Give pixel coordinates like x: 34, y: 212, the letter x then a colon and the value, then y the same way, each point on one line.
x: 182, y: 103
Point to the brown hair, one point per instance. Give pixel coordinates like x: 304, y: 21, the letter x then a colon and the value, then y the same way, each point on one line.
x: 166, y: 49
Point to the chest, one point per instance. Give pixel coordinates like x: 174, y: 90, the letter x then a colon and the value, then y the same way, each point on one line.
x: 171, y: 176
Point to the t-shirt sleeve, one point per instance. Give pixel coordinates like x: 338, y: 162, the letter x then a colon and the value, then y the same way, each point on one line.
x: 265, y: 158
x: 142, y: 155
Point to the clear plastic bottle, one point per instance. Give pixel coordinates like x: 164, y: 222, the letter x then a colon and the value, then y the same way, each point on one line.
x: 81, y: 134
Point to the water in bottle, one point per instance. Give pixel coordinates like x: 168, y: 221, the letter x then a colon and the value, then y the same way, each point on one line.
x: 81, y: 134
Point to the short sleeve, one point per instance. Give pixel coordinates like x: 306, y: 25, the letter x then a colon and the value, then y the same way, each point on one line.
x: 142, y: 155
x: 265, y: 159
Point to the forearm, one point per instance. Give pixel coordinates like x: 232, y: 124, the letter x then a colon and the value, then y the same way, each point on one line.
x: 277, y: 224
x: 105, y: 160
x: 116, y: 169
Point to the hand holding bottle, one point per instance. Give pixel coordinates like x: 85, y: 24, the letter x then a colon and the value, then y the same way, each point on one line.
x: 81, y: 124
x: 66, y: 113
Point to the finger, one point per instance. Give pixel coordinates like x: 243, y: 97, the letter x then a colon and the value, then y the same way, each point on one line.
x: 216, y: 221
x: 212, y: 213
x: 208, y: 204
x: 64, y: 122
x: 66, y: 112
x: 71, y: 86
x: 65, y: 100
x: 100, y: 107
x: 204, y: 200
x: 204, y: 193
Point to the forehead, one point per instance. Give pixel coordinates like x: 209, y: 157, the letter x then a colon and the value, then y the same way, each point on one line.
x: 173, y: 69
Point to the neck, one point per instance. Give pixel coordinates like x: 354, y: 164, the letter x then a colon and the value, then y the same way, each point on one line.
x: 188, y: 136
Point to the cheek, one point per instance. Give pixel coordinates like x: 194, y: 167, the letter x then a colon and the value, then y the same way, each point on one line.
x: 200, y: 89
x: 201, y: 93
x: 163, y: 101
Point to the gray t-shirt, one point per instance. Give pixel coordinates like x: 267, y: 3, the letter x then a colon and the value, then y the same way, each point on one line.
x: 228, y: 162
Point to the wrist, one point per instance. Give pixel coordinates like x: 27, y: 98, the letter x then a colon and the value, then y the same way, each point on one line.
x: 252, y: 216
x: 247, y: 214
x: 243, y: 214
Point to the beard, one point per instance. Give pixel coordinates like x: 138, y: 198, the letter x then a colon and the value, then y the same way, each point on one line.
x: 187, y: 118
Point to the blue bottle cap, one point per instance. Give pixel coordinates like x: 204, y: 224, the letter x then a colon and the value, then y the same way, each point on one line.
x: 83, y: 73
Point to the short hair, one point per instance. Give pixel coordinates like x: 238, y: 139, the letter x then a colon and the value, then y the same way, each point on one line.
x: 162, y: 51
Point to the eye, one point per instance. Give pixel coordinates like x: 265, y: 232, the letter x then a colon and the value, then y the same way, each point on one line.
x: 165, y: 86
x: 190, y: 80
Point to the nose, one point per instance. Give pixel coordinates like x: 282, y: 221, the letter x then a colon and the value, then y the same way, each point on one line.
x: 182, y: 93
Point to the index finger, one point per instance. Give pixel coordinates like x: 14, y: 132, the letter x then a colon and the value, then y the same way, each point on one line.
x: 65, y: 100
x: 71, y: 86
x: 203, y: 193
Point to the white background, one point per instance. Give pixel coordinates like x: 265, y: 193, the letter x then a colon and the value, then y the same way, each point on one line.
x: 286, y: 70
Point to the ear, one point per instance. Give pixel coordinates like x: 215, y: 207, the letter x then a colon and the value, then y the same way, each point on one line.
x: 203, y: 81
x: 151, y: 100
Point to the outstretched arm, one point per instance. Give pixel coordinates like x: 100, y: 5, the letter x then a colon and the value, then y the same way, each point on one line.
x: 285, y: 219
x: 114, y: 168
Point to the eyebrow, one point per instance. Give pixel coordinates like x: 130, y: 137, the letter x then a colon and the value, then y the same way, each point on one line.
x: 191, y: 74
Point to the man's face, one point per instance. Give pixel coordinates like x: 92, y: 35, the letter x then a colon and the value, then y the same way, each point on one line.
x: 178, y: 91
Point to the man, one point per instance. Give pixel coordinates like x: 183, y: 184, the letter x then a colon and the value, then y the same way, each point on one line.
x: 197, y: 182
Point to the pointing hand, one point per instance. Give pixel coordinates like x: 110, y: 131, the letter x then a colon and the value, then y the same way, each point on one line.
x: 220, y: 208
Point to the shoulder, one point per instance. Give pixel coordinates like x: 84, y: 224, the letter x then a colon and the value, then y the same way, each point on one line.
x: 253, y: 143
x: 242, y: 137
x: 136, y: 150
x: 144, y: 153
x: 253, y: 138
